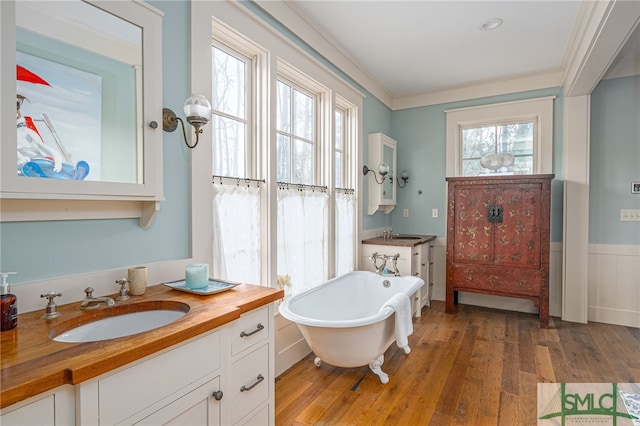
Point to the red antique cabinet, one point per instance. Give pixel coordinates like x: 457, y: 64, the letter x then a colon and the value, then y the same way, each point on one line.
x: 498, y: 230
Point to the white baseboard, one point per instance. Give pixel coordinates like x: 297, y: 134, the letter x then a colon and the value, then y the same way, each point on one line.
x: 614, y: 316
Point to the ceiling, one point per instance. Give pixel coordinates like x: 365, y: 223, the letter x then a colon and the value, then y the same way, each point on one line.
x: 418, y: 47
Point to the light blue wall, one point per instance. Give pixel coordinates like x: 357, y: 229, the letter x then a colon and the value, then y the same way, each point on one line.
x: 40, y: 250
x: 421, y: 136
x: 615, y: 160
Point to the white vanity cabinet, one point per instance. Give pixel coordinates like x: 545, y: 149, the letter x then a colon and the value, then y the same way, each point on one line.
x: 222, y: 377
x: 414, y: 260
x: 176, y: 383
x: 252, y: 369
x: 54, y: 408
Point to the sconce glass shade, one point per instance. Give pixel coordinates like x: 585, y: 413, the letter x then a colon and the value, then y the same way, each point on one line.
x: 405, y: 177
x: 198, y: 111
x: 383, y: 169
x: 197, y: 106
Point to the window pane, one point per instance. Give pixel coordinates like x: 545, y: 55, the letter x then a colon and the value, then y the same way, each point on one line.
x: 283, y: 115
x: 471, y: 167
x: 523, y: 165
x: 339, y: 183
x: 304, y: 112
x: 284, y: 159
x: 516, y: 138
x: 338, y: 124
x: 303, y: 162
x: 229, y: 87
x: 228, y: 151
x: 512, y: 138
x: 478, y: 142
x: 521, y: 139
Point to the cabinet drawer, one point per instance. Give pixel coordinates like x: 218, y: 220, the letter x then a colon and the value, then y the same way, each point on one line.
x: 249, y: 329
x: 249, y: 382
x: 498, y: 280
x: 131, y: 390
x: 261, y: 417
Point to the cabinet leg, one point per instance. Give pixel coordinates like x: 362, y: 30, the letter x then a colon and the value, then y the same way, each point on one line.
x: 448, y: 304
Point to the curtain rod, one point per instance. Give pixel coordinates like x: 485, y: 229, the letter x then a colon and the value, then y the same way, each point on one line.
x: 346, y: 190
x: 237, y: 179
x: 301, y: 186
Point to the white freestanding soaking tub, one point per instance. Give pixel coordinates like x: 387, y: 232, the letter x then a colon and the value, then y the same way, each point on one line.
x: 343, y: 320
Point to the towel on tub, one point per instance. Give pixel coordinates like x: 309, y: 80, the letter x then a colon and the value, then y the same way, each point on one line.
x: 401, y: 304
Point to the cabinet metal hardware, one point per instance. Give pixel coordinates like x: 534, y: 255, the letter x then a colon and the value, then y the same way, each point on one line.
x: 217, y: 395
x: 258, y: 380
x: 259, y: 327
x: 494, y: 213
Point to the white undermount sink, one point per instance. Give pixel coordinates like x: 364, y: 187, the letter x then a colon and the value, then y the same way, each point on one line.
x: 113, y: 322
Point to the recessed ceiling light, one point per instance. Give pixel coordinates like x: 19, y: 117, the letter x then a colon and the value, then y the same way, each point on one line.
x: 491, y: 24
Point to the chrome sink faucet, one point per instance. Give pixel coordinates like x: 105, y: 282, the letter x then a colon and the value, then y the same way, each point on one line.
x: 91, y: 302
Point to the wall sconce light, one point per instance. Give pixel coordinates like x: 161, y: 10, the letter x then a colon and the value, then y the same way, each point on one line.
x: 197, y: 109
x: 383, y: 169
x: 405, y: 177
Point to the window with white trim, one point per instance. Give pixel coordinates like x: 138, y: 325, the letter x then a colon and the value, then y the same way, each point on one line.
x: 298, y: 134
x: 296, y: 130
x: 505, y: 138
x: 230, y: 111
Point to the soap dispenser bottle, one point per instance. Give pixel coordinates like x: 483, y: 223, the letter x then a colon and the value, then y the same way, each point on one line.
x: 9, y: 317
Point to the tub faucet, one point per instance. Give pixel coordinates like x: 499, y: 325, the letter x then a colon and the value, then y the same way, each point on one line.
x: 384, y: 258
x: 91, y: 302
x: 374, y: 259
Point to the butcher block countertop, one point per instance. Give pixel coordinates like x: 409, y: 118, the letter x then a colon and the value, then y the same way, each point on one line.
x: 403, y: 240
x: 32, y: 363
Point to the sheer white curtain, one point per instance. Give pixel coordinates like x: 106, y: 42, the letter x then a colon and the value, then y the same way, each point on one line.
x: 236, y: 232
x: 345, y: 231
x: 302, y: 243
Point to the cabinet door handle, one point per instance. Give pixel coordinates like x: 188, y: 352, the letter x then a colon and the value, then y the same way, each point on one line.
x: 217, y: 395
x: 259, y: 327
x: 259, y: 379
x: 494, y: 214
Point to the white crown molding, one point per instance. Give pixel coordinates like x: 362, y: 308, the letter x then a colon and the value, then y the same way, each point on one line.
x: 482, y: 90
x: 602, y: 29
x: 294, y: 19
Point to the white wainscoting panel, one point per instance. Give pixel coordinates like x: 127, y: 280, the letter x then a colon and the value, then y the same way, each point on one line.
x: 614, y: 284
x: 290, y: 345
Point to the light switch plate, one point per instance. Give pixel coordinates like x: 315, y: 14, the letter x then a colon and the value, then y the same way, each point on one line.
x: 630, y: 215
x: 434, y: 213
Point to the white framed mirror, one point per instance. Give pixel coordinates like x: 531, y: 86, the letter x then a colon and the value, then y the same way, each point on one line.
x: 382, y: 196
x: 88, y: 88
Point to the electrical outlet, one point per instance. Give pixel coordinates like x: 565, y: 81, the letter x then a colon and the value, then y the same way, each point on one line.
x: 629, y: 215
x: 405, y: 213
x: 434, y: 213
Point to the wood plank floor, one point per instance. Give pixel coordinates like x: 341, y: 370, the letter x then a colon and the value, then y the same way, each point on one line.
x: 478, y: 366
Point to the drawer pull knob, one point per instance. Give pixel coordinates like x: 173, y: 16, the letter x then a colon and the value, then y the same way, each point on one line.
x: 217, y: 395
x: 259, y: 327
x: 259, y: 379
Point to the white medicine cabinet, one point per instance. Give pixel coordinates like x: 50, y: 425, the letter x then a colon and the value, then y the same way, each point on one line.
x: 382, y: 196
x: 88, y: 85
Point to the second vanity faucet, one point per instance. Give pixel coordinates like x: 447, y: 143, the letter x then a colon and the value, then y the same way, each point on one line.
x: 91, y: 302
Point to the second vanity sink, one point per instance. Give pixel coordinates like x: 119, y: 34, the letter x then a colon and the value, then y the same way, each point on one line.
x: 119, y: 321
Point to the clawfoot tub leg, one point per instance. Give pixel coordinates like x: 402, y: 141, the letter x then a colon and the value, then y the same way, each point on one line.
x: 375, y: 367
x: 317, y: 362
